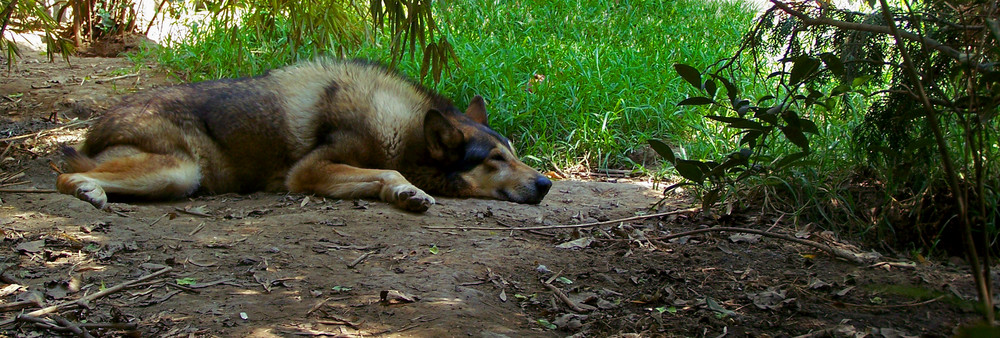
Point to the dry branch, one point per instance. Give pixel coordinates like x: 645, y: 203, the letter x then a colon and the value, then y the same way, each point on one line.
x: 116, y: 78
x: 28, y: 191
x: 87, y: 299
x: 564, y: 299
x: 41, y: 132
x: 573, y: 226
x: 810, y: 21
x: 847, y: 255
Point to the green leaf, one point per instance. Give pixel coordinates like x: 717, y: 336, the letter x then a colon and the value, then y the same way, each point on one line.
x: 833, y: 63
x: 689, y: 74
x: 790, y: 117
x: 741, y: 107
x: 434, y: 250
x: 860, y: 80
x: 785, y: 161
x: 186, y: 281
x: 564, y: 280
x: 695, y: 101
x: 736, y: 122
x: 841, y: 89
x: 769, y: 115
x: 795, y: 135
x: 709, y: 199
x: 339, y: 289
x: 750, y: 139
x: 710, y: 88
x: 731, y: 90
x: 690, y: 170
x: 714, y: 306
x: 803, y: 67
x: 663, y: 149
x: 546, y: 324
x: 808, y: 126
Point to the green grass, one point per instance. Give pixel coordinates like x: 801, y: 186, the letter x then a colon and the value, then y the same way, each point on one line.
x: 609, y: 82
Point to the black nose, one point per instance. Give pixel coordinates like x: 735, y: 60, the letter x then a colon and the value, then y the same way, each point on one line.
x: 542, y: 185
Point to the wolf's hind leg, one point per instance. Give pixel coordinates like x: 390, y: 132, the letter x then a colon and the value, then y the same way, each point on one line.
x: 344, y: 181
x: 138, y: 174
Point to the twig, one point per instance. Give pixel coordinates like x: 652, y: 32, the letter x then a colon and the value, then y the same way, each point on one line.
x: 847, y: 255
x: 573, y: 226
x: 361, y: 258
x: 536, y: 232
x: 39, y: 322
x: 89, y: 298
x: 350, y: 247
x: 11, y: 184
x: 161, y: 299
x: 158, y: 219
x: 207, y: 284
x: 72, y: 327
x: 317, y: 306
x: 184, y: 288
x: 113, y: 326
x: 562, y: 296
x: 116, y: 78
x: 809, y: 21
x: 341, y: 321
x: 192, y: 212
x: 891, y: 306
x: 63, y: 325
x: 40, y: 132
x: 28, y: 191
x: 18, y: 305
x: 197, y: 229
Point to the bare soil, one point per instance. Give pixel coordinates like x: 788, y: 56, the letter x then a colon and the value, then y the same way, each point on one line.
x: 293, y: 265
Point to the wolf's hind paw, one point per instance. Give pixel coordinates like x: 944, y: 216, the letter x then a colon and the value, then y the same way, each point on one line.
x: 91, y: 193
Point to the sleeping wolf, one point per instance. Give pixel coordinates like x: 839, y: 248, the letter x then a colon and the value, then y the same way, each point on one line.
x: 344, y: 129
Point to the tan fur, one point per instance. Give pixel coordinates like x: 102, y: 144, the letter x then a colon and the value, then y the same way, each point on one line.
x: 345, y: 129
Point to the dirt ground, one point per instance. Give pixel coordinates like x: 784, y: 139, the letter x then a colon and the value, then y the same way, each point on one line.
x: 294, y: 265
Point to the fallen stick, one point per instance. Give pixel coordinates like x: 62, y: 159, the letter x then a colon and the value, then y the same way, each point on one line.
x: 564, y: 299
x: 28, y: 191
x: 192, y: 212
x: 158, y: 219
x: 18, y: 305
x: 14, y: 183
x: 361, y: 259
x: 72, y: 327
x: 60, y: 324
x: 847, y: 255
x: 116, y: 78
x: 89, y: 298
x: 40, y: 132
x: 573, y: 226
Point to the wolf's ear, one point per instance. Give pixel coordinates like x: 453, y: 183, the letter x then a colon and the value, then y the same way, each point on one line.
x: 477, y: 110
x: 444, y: 140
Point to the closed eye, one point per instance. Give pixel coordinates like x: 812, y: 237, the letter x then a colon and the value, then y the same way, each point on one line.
x: 497, y: 157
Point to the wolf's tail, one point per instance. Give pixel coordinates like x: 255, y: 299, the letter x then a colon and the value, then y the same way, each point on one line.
x: 77, y: 162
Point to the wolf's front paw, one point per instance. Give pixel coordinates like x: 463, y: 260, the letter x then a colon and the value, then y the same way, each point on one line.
x: 412, y: 198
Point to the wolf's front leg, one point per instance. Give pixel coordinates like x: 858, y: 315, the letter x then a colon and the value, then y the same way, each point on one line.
x: 344, y: 181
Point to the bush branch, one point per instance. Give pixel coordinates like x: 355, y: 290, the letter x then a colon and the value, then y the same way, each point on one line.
x: 810, y: 21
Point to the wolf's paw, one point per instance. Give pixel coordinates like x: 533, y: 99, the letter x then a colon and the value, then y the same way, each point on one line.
x: 412, y: 198
x: 91, y: 193
x: 82, y: 188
